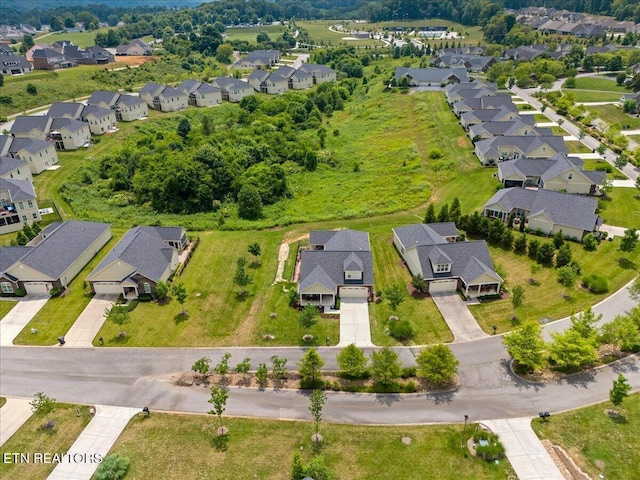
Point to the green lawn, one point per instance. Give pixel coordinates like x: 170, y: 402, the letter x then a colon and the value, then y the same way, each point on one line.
x: 613, y: 114
x: 591, y: 164
x: 583, y: 96
x: 541, y: 118
x: 59, y: 314
x: 602, y: 83
x: 623, y: 208
x: 5, y: 307
x: 2, y: 401
x: 546, y: 298
x: 575, y: 146
x: 591, y: 436
x: 249, y: 34
x: 524, y: 106
x: 31, y: 438
x: 559, y: 131
x: 264, y: 449
x: 82, y: 39
x: 634, y: 138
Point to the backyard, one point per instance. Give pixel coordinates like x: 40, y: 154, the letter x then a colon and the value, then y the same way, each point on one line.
x: 622, y: 208
x: 613, y: 114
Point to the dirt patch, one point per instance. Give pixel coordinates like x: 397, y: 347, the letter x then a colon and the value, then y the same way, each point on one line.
x: 461, y: 141
x: 134, y: 60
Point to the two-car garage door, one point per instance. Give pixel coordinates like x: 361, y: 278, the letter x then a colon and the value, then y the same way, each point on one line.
x: 37, y: 287
x: 354, y: 292
x: 448, y: 285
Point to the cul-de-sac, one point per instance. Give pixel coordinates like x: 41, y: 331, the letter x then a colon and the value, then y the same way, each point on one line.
x: 319, y: 240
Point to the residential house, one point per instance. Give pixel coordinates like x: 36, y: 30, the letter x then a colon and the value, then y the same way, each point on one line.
x: 54, y: 257
x: 200, y: 94
x: 70, y: 110
x: 560, y: 173
x: 430, y: 77
x: 300, y: 80
x: 104, y: 99
x: 521, y: 125
x: 278, y: 81
x: 499, y: 149
x: 472, y: 63
x: 484, y: 103
x: 338, y: 264
x: 14, y: 168
x: 451, y: 89
x: 99, y: 119
x: 49, y: 59
x: 233, y: 89
x: 547, y: 211
x: 257, y: 80
x: 89, y: 56
x: 432, y: 251
x: 137, y: 47
x: 320, y: 73
x: 38, y: 154
x: 31, y: 126
x: 475, y: 117
x: 143, y: 257
x: 593, y: 49
x: 69, y: 134
x: 467, y: 93
x: 18, y: 206
x: 14, y: 65
x: 130, y: 107
x: 259, y: 59
x: 163, y: 98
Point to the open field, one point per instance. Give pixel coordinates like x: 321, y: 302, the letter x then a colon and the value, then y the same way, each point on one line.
x: 82, y: 39
x: 613, y: 114
x: 321, y: 35
x: 5, y: 307
x: 622, y: 209
x: 601, y: 83
x: 249, y: 34
x: 264, y: 449
x: 590, y: 436
x: 546, y: 299
x: 58, y: 314
x: 584, y: 96
x: 31, y: 438
x: 577, y: 147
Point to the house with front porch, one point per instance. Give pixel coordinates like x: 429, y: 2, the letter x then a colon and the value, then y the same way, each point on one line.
x: 494, y: 150
x: 446, y: 264
x: 338, y: 264
x: 18, y: 206
x: 54, y: 257
x: 545, y: 210
x: 143, y: 257
x: 560, y: 173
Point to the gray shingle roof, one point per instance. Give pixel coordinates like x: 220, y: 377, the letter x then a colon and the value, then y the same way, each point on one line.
x: 189, y: 86
x: 62, y: 247
x: 425, y: 234
x: 24, y: 123
x: 468, y: 260
x: 315, y: 68
x: 18, y: 189
x: 103, y: 96
x: 96, y: 111
x: 260, y: 75
x: 488, y: 115
x: 431, y: 75
x: 129, y: 100
x: 14, y: 61
x: 9, y: 164
x: 506, y: 128
x: 10, y: 255
x: 68, y: 123
x: 152, y: 89
x: 327, y: 268
x: 144, y: 249
x: 340, y: 240
x: 229, y: 83
x: 65, y: 109
x: 576, y: 211
x: 526, y: 144
x: 31, y: 145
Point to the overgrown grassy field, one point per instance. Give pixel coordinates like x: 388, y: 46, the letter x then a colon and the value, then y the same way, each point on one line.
x: 5, y: 307
x: 622, y: 209
x: 264, y: 449
x: 614, y: 114
x: 59, y: 314
x: 591, y: 435
x: 546, y: 299
x: 31, y: 438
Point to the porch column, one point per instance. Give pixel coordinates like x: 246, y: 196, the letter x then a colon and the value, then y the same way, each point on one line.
x: 466, y: 290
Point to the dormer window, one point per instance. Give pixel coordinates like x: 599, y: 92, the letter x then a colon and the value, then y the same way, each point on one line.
x: 353, y: 275
x: 443, y: 267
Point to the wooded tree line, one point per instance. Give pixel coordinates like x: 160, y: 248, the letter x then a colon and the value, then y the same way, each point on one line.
x: 208, y: 158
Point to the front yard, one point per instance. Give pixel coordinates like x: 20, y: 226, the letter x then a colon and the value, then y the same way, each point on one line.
x: 5, y: 307
x: 622, y: 208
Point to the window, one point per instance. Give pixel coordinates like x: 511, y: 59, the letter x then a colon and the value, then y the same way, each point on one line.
x: 24, y: 218
x: 30, y: 203
x: 6, y: 287
x: 570, y: 176
x: 443, y: 267
x: 21, y: 205
x: 34, y: 215
x: 147, y: 287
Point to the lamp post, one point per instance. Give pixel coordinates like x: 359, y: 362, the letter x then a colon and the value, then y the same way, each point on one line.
x: 464, y: 431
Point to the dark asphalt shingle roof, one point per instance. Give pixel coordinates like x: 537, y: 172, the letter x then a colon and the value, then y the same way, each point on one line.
x: 26, y: 123
x: 31, y: 145
x: 10, y: 255
x: 18, y: 189
x: 68, y: 123
x: 425, y: 234
x: 9, y: 164
x: 431, y: 75
x: 96, y: 111
x: 315, y: 68
x: 340, y: 240
x: 526, y: 144
x: 103, y: 96
x: 130, y: 100
x: 327, y: 268
x: 65, y: 109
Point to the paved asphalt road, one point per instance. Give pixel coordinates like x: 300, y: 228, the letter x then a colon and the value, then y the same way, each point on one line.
x: 135, y: 377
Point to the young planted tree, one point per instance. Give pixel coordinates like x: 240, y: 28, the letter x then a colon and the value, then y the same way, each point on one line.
x: 119, y: 316
x: 317, y: 399
x: 162, y: 290
x: 535, y: 269
x: 395, y: 295
x: 619, y: 391
x: 241, y: 278
x: 517, y: 296
x: 179, y: 291
x: 262, y: 374
x: 526, y: 346
x: 201, y: 365
x: 629, y: 240
x: 279, y: 367
x: 622, y: 332
x: 255, y: 250
x: 222, y: 368
x: 309, y: 317
x: 309, y: 369
x: 42, y: 405
x: 243, y: 367
x: 569, y: 349
x: 385, y: 366
x: 437, y: 364
x: 219, y: 396
x: 352, y: 362
x: 418, y: 282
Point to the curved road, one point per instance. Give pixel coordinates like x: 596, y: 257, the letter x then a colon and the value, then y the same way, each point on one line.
x: 135, y: 377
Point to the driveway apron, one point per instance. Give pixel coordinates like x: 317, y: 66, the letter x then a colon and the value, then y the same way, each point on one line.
x: 15, y: 321
x: 354, y: 322
x: 462, y: 324
x: 86, y: 327
x: 13, y: 414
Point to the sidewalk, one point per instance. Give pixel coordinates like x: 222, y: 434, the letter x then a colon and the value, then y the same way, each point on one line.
x: 87, y: 326
x: 96, y: 440
x: 13, y: 414
x: 19, y: 316
x: 525, y: 452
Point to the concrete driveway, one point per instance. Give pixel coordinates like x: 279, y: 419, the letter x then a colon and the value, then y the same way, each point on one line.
x: 19, y: 316
x: 354, y: 322
x: 86, y: 327
x: 462, y: 324
x: 13, y: 414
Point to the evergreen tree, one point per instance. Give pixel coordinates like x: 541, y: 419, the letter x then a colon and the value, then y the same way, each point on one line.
x: 430, y: 216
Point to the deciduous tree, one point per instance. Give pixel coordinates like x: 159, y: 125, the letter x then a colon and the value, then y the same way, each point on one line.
x: 385, y: 367
x: 179, y: 291
x: 219, y: 396
x: 309, y: 369
x: 526, y: 346
x: 317, y: 399
x: 619, y: 391
x: 437, y: 364
x: 352, y: 362
x: 395, y: 295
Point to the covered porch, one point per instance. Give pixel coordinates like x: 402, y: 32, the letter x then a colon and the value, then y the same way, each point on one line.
x: 485, y: 284
x: 320, y: 299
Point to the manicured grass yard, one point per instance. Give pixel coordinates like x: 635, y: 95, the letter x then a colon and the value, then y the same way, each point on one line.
x: 602, y: 83
x: 591, y: 435
x: 30, y: 438
x: 82, y: 39
x: 545, y: 299
x: 591, y: 164
x: 541, y: 118
x: 2, y: 401
x: 577, y: 147
x: 623, y: 208
x: 58, y: 314
x: 264, y: 449
x: 614, y: 114
x: 559, y: 131
x: 590, y: 96
x: 5, y: 307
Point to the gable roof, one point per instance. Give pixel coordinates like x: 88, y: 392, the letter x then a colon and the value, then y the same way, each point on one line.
x: 340, y: 240
x: 327, y: 268
x: 68, y: 123
x: 315, y: 68
x: 63, y: 246
x: 431, y: 75
x: 26, y: 123
x: 65, y: 109
x: 129, y: 100
x: 96, y: 111
x: 526, y: 144
x: 152, y: 88
x: 227, y: 83
x: 103, y: 96
x: 31, y: 145
x: 508, y: 127
x: 18, y: 189
x: 9, y: 164
x: 14, y: 61
x: 9, y: 256
x: 577, y: 211
x: 425, y: 234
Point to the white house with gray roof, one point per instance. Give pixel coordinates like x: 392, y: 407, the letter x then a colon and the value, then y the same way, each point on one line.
x: 560, y: 173
x: 233, y: 89
x: 430, y: 77
x: 31, y: 126
x: 130, y: 108
x: 38, y: 154
x: 499, y: 149
x: 71, y: 110
x: 69, y: 134
x: 497, y: 101
x: 54, y: 257
x: 18, y: 206
x: 338, y: 264
x: 14, y: 168
x: 100, y: 120
x: 432, y: 250
x: 319, y: 73
x: 200, y: 94
x: 104, y: 99
x: 259, y: 59
x: 163, y: 98
x: 143, y: 257
x: 520, y: 126
x: 547, y: 211
x: 475, y: 117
